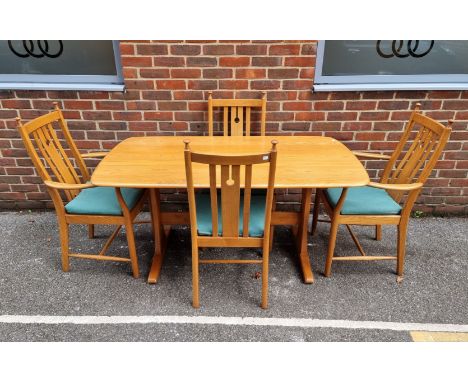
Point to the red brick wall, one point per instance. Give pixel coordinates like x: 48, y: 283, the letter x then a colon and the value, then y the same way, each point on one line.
x: 167, y: 84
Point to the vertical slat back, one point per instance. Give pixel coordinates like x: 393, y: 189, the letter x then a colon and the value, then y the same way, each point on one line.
x: 214, y: 200
x: 225, y: 123
x: 68, y: 166
x: 72, y: 146
x: 247, y: 194
x: 263, y: 116
x: 230, y: 183
x: 247, y: 121
x: 420, y: 148
x: 40, y: 144
x: 400, y: 146
x: 230, y: 199
x: 414, y: 160
x: 54, y: 155
x: 234, y: 120
x: 41, y: 140
x: 210, y: 114
x: 416, y: 163
x: 426, y: 151
x: 237, y: 121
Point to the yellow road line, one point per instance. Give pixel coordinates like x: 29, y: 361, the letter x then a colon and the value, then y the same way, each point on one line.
x: 439, y: 337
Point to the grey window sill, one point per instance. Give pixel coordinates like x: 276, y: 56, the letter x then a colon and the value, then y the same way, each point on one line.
x: 61, y: 86
x: 389, y: 86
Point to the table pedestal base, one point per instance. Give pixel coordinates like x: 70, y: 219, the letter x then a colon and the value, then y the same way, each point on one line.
x: 162, y: 222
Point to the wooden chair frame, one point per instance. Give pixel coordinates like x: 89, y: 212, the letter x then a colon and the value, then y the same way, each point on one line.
x: 230, y: 184
x: 399, y: 176
x: 237, y: 108
x: 40, y: 132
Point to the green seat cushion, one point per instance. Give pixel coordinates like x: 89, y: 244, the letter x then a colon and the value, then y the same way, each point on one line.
x: 256, y: 221
x: 364, y: 201
x: 102, y: 201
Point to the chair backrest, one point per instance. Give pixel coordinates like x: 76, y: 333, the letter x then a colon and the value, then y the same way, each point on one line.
x: 414, y: 158
x: 230, y: 182
x: 236, y: 114
x: 47, y: 152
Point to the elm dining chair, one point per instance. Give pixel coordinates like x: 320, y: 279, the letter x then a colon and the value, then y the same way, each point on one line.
x: 86, y: 204
x: 377, y: 204
x: 242, y: 220
x: 236, y: 114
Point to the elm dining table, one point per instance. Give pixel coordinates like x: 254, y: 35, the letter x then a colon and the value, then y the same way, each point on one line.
x: 157, y: 162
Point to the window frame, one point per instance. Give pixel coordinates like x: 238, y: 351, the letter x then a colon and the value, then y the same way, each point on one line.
x: 384, y: 82
x: 67, y: 81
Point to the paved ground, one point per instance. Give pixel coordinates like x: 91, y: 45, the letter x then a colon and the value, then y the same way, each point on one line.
x: 434, y: 291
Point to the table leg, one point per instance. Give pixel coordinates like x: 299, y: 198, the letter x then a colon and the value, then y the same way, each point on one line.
x: 302, y: 237
x: 160, y: 237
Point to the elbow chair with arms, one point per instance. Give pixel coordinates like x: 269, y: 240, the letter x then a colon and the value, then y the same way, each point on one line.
x: 85, y: 203
x: 242, y: 218
x: 377, y: 204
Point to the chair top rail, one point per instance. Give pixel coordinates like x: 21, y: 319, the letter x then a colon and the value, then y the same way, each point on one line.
x: 428, y: 122
x: 229, y: 160
x: 41, y: 121
x: 237, y: 102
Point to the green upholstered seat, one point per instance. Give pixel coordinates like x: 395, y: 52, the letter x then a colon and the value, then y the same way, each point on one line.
x: 364, y: 201
x: 102, y: 201
x: 256, y: 221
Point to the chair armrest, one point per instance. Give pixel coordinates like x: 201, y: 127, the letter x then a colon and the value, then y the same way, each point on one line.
x: 396, y: 187
x: 67, y: 186
x: 364, y: 154
x: 94, y: 155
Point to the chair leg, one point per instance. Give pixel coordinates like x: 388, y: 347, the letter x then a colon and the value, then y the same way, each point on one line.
x: 266, y: 257
x: 195, y: 278
x: 272, y: 228
x: 378, y: 232
x: 315, y: 212
x: 151, y: 214
x: 132, y: 248
x: 64, y: 239
x: 331, y: 246
x: 401, y: 246
x: 91, y: 231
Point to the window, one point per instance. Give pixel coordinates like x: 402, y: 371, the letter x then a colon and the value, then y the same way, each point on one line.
x: 60, y: 65
x: 387, y: 65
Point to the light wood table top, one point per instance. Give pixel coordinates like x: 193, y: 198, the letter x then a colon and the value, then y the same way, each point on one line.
x: 158, y: 162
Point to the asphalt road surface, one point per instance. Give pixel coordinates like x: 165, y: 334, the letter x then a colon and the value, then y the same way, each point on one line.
x: 100, y: 301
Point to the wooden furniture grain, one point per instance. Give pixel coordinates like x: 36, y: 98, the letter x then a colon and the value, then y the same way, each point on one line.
x: 44, y: 139
x: 237, y: 121
x: 233, y: 229
x: 158, y: 163
x: 406, y: 171
x: 236, y: 114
